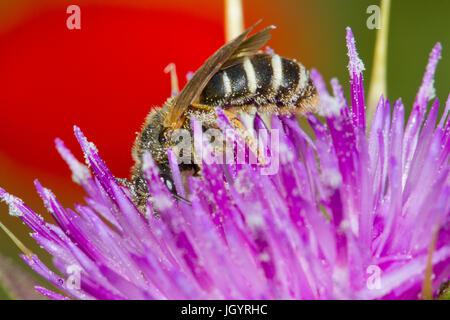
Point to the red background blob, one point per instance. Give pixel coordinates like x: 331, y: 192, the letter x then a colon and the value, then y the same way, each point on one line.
x: 103, y: 78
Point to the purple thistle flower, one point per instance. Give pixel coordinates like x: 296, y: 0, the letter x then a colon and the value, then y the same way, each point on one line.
x: 346, y: 216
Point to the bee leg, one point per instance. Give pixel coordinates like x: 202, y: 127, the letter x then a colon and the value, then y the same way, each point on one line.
x: 203, y: 107
x: 266, y: 118
x: 249, y: 135
x: 248, y: 118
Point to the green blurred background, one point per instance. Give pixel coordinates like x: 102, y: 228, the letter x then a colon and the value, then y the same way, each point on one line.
x: 311, y: 31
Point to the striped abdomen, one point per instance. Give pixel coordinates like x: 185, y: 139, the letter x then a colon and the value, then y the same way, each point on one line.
x: 263, y: 80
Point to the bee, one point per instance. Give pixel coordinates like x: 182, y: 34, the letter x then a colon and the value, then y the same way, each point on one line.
x: 236, y: 78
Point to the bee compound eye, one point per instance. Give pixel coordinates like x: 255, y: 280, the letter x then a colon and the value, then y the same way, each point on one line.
x: 168, y: 182
x: 171, y: 187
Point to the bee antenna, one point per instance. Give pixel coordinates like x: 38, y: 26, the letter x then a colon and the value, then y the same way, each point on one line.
x: 181, y: 198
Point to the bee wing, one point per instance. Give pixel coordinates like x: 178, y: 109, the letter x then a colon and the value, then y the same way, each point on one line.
x: 249, y: 46
x: 195, y: 86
